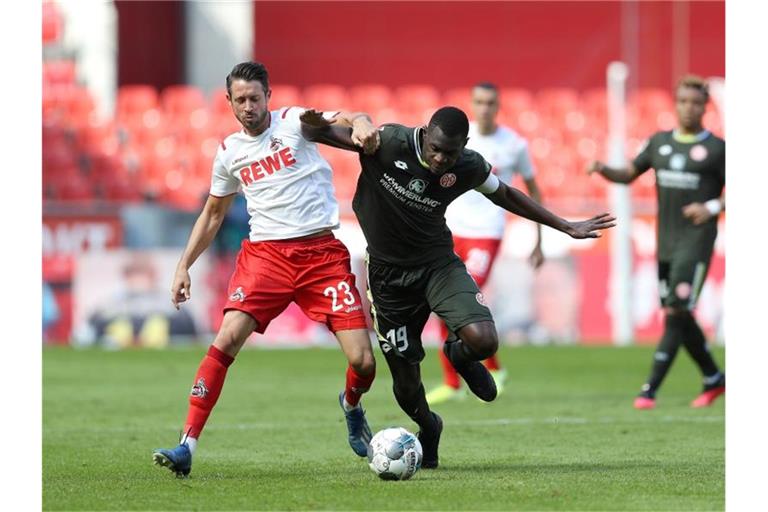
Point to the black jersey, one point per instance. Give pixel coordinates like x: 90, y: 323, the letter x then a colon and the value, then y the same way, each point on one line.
x: 401, y: 205
x: 686, y: 172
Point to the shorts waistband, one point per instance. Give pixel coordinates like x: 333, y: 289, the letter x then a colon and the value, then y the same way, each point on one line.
x: 297, y: 241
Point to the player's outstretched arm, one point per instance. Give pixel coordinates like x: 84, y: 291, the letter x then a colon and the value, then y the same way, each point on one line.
x: 518, y: 203
x: 353, y: 132
x: 203, y: 232
x: 624, y: 175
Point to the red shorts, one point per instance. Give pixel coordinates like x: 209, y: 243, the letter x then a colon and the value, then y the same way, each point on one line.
x: 314, y: 273
x: 478, y: 254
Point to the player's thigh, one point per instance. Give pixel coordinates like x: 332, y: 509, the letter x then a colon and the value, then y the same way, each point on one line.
x: 455, y: 297
x: 234, y: 331
x: 399, y: 310
x: 326, y: 288
x: 681, y: 280
x: 261, y: 285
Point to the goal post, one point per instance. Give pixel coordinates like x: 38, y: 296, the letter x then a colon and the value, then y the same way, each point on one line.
x: 620, y: 286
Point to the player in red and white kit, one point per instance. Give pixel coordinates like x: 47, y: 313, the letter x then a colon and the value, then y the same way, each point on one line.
x: 291, y: 254
x: 478, y: 225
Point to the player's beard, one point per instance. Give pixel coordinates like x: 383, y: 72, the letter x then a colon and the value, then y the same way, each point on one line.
x: 255, y: 121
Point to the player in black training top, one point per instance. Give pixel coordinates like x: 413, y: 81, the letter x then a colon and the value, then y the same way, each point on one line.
x: 690, y: 176
x: 402, y: 193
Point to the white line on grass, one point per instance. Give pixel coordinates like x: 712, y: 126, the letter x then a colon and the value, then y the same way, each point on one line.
x: 496, y: 422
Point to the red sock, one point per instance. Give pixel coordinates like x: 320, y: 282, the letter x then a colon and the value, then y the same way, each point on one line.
x: 206, y: 389
x: 492, y: 363
x: 450, y: 377
x: 357, y: 385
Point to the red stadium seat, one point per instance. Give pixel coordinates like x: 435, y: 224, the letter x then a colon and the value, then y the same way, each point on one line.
x: 346, y: 169
x: 370, y: 98
x: 460, y: 97
x: 59, y: 72
x: 285, y: 96
x: 146, y: 129
x: 653, y: 99
x: 134, y: 100
x: 515, y: 100
x: 417, y: 98
x: 179, y: 101
x: 326, y: 97
x: 553, y: 103
x: 218, y: 103
x: 53, y: 24
x: 68, y: 104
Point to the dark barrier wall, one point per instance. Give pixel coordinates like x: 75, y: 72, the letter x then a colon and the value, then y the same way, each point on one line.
x: 450, y: 44
x: 150, y: 42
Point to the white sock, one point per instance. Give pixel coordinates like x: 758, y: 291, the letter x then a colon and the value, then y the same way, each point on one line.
x: 191, y: 443
x: 348, y: 407
x: 712, y: 379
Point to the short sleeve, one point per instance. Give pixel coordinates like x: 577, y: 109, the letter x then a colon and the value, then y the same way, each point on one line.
x: 483, y: 170
x: 292, y: 115
x: 222, y: 182
x: 643, y: 160
x: 524, y: 165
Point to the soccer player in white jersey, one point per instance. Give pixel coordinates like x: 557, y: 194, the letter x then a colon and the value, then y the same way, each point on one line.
x: 291, y: 254
x: 478, y: 225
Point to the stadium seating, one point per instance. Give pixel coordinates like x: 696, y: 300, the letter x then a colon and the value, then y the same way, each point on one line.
x: 160, y: 144
x: 53, y: 25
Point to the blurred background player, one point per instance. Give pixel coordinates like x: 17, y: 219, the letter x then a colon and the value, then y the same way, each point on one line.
x: 291, y: 254
x: 690, y: 175
x: 478, y: 225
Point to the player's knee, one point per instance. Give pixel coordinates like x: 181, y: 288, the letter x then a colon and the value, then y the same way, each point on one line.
x: 229, y: 341
x: 481, y: 338
x: 363, y: 362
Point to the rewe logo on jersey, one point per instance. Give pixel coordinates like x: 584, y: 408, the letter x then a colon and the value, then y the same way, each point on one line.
x: 267, y: 166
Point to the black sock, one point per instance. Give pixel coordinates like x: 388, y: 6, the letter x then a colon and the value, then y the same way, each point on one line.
x: 460, y: 354
x: 696, y: 345
x: 674, y: 331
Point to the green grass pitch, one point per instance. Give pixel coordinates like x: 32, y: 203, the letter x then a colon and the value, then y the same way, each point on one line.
x: 562, y: 436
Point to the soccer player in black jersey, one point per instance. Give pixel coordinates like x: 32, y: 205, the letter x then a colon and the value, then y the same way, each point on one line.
x: 690, y: 176
x: 401, y: 197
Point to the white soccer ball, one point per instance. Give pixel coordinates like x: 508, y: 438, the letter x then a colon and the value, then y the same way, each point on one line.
x: 394, y: 454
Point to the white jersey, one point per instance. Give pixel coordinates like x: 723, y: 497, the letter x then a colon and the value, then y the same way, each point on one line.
x: 472, y: 215
x: 286, y: 183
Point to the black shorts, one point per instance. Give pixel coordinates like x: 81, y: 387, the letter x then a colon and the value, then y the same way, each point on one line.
x: 403, y: 297
x: 681, y: 280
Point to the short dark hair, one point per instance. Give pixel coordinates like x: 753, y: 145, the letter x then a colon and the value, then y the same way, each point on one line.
x: 452, y: 121
x: 487, y: 85
x: 695, y: 82
x: 248, y: 71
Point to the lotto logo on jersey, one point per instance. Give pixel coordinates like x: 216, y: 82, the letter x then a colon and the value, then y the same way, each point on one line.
x: 267, y: 166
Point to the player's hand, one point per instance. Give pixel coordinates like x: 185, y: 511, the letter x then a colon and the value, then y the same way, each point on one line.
x: 594, y: 167
x: 697, y: 213
x: 365, y: 135
x: 180, y: 288
x: 536, y: 259
x: 590, y: 228
x: 315, y: 119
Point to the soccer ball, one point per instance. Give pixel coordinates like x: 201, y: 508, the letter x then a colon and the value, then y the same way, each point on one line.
x: 394, y: 454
